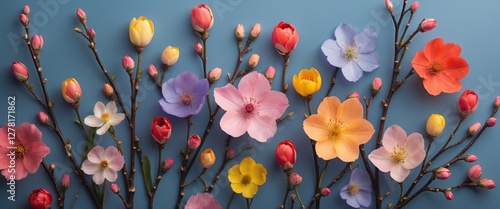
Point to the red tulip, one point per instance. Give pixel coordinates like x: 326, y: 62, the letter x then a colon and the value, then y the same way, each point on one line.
x: 161, y: 129
x: 467, y: 103
x: 40, y: 199
x: 202, y: 18
x: 285, y: 38
x: 286, y: 154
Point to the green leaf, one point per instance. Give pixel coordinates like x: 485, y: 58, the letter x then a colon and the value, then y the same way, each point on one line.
x: 146, y: 171
x: 90, y: 143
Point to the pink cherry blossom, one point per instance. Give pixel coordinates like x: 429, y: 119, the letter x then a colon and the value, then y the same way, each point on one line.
x: 399, y: 154
x: 252, y: 108
x: 28, y: 150
x: 103, y: 164
x: 202, y: 200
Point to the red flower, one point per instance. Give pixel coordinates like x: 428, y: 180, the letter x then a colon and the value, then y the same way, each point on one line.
x: 286, y: 154
x: 202, y: 18
x: 285, y: 38
x: 40, y: 199
x: 441, y: 67
x: 161, y: 129
x: 467, y: 103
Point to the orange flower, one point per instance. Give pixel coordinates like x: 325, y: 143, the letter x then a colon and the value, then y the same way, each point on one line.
x: 338, y: 129
x: 441, y: 67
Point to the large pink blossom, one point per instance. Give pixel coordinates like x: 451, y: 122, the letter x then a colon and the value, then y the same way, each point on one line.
x: 202, y: 201
x: 27, y: 150
x: 103, y: 164
x: 253, y: 107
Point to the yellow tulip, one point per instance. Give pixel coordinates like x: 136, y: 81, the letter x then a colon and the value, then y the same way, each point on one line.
x: 170, y: 55
x: 307, y: 82
x: 435, y: 125
x: 141, y: 31
x: 207, y: 158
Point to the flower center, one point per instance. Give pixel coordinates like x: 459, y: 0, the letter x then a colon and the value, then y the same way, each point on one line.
x: 186, y: 98
x: 246, y: 179
x: 20, y: 151
x: 398, y: 155
x: 351, y: 53
x: 104, y: 164
x: 353, y: 189
x: 105, y: 116
x: 249, y: 107
x: 436, y: 67
x: 334, y: 128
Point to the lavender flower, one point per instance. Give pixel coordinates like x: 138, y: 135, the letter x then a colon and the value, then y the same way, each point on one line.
x: 357, y: 192
x: 184, y: 95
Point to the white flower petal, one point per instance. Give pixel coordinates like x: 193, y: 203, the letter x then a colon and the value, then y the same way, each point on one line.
x: 111, y: 108
x: 99, y: 108
x: 110, y: 175
x: 93, y: 121
x: 98, y: 177
x: 90, y: 168
x: 101, y: 131
x: 96, y: 155
x: 352, y: 72
x: 116, y: 119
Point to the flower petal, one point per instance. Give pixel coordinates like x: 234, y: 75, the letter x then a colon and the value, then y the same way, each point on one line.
x: 258, y: 174
x: 99, y: 108
x: 246, y: 165
x: 359, y: 130
x: 168, y: 91
x: 111, y: 108
x: 350, y: 109
x: 254, y: 85
x: 347, y: 149
x: 382, y: 159
x: 114, y: 158
x: 234, y: 123
x: 394, y: 136
x: 333, y: 53
x: 250, y: 190
x: 116, y: 119
x: 176, y: 109
x: 261, y: 128
x: 90, y: 168
x: 93, y: 121
x: 103, y: 129
x: 98, y: 177
x: 328, y: 107
x: 416, y: 152
x: 237, y: 187
x: 34, y: 156
x: 186, y: 82
x: 27, y: 133
x: 234, y: 174
x: 96, y: 155
x: 352, y: 72
x: 344, y: 34
x: 315, y: 127
x: 273, y: 104
x: 110, y: 175
x: 326, y: 149
x: 364, y: 198
x: 421, y: 65
x: 366, y: 40
x: 351, y: 200
x: 455, y: 67
x: 229, y: 98
x: 368, y: 62
x: 399, y: 173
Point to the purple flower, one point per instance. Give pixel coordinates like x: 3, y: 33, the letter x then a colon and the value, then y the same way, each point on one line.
x: 184, y: 95
x: 357, y: 192
x: 353, y: 53
x: 202, y: 201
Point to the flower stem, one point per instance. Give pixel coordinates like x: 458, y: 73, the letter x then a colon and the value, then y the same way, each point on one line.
x: 298, y: 197
x: 318, y: 196
x: 284, y: 86
x: 230, y: 200
x: 221, y: 168
x: 158, y: 178
x: 334, y: 80
x: 315, y: 158
x: 241, y: 53
x: 60, y: 193
x: 104, y: 189
x: 287, y: 190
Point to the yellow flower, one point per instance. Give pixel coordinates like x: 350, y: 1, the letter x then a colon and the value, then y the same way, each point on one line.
x: 141, y: 31
x: 246, y: 177
x: 435, y: 125
x: 307, y: 82
x: 170, y: 55
x: 207, y: 158
x: 338, y: 129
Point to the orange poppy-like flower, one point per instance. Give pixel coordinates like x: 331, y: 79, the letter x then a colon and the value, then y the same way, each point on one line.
x: 338, y: 129
x: 441, y: 67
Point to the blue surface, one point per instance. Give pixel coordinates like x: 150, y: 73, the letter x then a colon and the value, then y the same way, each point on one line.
x: 65, y: 54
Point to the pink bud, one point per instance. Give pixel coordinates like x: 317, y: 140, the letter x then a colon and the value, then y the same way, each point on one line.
x: 442, y: 173
x: 230, y: 153
x: 37, y: 42
x: 114, y: 188
x: 202, y: 18
x: 52, y: 166
x: 240, y: 32
x: 253, y: 61
x: 414, y: 6
x: 295, y: 179
x: 473, y: 128
x: 270, y: 73
x: 214, y: 74
x: 194, y: 141
x: 496, y: 103
x: 23, y: 18
x: 352, y: 95
x: 81, y: 15
x: 448, y: 194
x: 427, y: 25
x: 376, y: 85
x: 389, y: 5
x: 487, y: 183
x: 254, y: 33
x: 152, y: 71
x: 475, y: 172
x: 167, y: 164
x: 108, y: 90
x: 325, y: 191
x: 26, y: 9
x: 470, y: 158
x: 91, y: 33
x: 198, y: 48
x: 128, y: 63
x: 43, y: 118
x: 65, y: 181
x: 467, y: 103
x: 491, y: 122
x: 20, y: 71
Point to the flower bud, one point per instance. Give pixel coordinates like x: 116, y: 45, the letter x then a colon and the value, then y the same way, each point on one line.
x: 170, y: 56
x: 214, y: 74
x: 286, y: 155
x: 389, y: 5
x: 152, y: 71
x: 230, y: 154
x: 435, y: 125
x: 240, y: 32
x: 202, y: 18
x: 81, y: 15
x: 255, y: 32
x: 467, y: 103
x: 52, y: 166
x: 376, y: 85
x: 470, y: 158
x: 325, y: 191
x: 167, y: 164
x: 427, y: 25
x: 194, y: 141
x: 295, y: 179
x: 40, y: 199
x: 108, y: 90
x: 253, y: 61
x: 26, y: 10
x: 114, y: 188
x: 91, y: 33
x: 71, y: 91
x: 23, y: 18
x: 161, y: 130
x: 270, y: 73
x: 285, y: 38
x: 487, y: 183
x: 141, y: 31
x: 198, y: 48
x: 43, y: 118
x: 414, y: 6
x: 448, y: 194
x: 207, y: 158
x: 128, y: 63
x: 491, y: 122
x: 353, y: 95
x: 473, y: 128
x: 20, y: 71
x: 37, y: 42
x: 475, y: 172
x: 496, y: 103
x: 65, y: 180
x: 442, y: 173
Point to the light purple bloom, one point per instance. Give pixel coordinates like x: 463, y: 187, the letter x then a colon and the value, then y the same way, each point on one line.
x: 353, y: 53
x: 202, y: 201
x: 184, y: 95
x: 357, y: 192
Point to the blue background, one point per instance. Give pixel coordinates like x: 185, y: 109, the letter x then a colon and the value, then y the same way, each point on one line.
x: 65, y: 54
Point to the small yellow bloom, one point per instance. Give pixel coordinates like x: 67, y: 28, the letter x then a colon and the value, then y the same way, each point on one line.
x: 435, y: 125
x: 246, y: 177
x: 141, y: 31
x: 207, y: 158
x: 170, y: 55
x: 307, y: 82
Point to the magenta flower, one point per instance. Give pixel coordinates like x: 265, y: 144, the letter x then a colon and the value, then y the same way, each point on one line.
x: 184, y: 95
x: 103, y: 164
x: 357, y: 192
x: 202, y: 201
x: 253, y: 107
x: 28, y: 150
x: 399, y: 153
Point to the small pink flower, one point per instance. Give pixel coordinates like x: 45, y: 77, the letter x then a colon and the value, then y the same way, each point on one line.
x: 353, y: 95
x: 29, y: 150
x: 230, y: 153
x: 473, y: 128
x: 214, y: 74
x: 26, y: 9
x: 91, y: 33
x: 252, y: 108
x: 491, y: 122
x: 114, y: 188
x: 475, y: 172
x: 295, y: 179
x: 81, y: 15
x: 103, y: 164
x: 448, y: 194
x: 198, y: 48
x: 376, y: 85
x: 202, y: 18
x: 399, y: 154
x: 202, y: 200
x: 239, y: 33
x: 442, y: 173
x: 167, y: 164
x: 40, y: 199
x: 194, y: 141
x: 496, y: 103
x: 43, y: 118
x: 20, y: 71
x: 427, y: 25
x: 325, y: 191
x: 253, y: 61
x: 23, y: 18
x: 389, y: 5
x: 470, y: 158
x: 128, y: 63
x: 270, y: 73
x: 108, y: 90
x: 487, y: 183
x: 414, y: 6
x: 152, y: 71
x: 37, y: 42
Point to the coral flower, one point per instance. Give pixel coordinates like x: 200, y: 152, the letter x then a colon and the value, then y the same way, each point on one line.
x: 441, y: 67
x: 246, y: 177
x: 284, y: 38
x: 253, y: 107
x: 29, y: 150
x: 104, y: 117
x: 103, y: 164
x: 338, y: 129
x: 202, y: 200
x: 307, y: 82
x: 399, y: 153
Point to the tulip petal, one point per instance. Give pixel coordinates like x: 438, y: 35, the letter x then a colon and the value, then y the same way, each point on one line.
x: 234, y: 123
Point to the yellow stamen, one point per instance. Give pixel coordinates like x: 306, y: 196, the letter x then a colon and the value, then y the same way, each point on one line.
x: 20, y: 151
x: 335, y: 128
x: 246, y: 179
x: 104, y: 164
x: 353, y: 189
x: 351, y: 53
x: 398, y: 155
x: 105, y: 116
x: 436, y: 67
